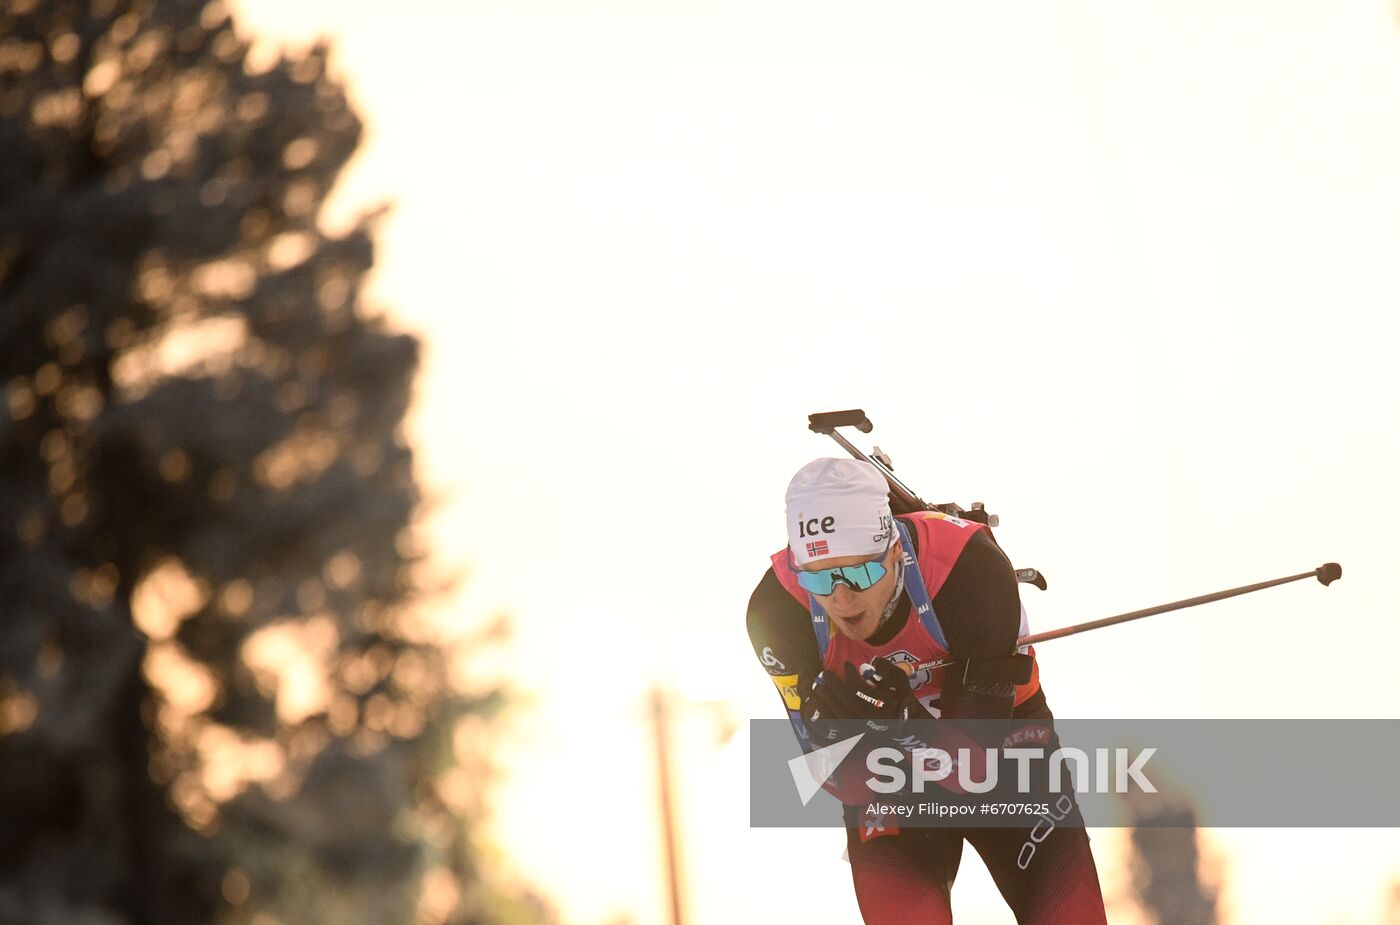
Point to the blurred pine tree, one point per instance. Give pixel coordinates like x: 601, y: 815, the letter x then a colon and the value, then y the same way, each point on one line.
x: 215, y: 704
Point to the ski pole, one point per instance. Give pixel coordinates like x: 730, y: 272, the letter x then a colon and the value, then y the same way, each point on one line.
x: 1326, y: 574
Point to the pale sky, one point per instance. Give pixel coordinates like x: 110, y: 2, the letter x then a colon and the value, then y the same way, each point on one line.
x: 1127, y: 272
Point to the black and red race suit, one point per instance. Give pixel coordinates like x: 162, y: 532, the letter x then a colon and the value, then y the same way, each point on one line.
x: 904, y: 875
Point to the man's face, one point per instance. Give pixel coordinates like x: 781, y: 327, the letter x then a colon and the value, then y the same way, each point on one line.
x: 856, y: 614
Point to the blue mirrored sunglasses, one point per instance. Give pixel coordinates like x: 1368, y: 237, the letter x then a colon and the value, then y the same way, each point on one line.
x: 859, y: 577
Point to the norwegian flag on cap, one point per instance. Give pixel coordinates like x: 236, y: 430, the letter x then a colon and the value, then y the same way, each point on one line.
x: 818, y: 548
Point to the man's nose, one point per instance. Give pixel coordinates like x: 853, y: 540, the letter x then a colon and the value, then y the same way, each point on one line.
x: 841, y: 594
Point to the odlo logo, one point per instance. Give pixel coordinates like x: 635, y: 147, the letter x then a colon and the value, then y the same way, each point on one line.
x: 813, y: 526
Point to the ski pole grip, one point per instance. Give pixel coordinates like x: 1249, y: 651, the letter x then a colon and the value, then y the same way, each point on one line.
x: 1328, y: 573
x: 828, y: 421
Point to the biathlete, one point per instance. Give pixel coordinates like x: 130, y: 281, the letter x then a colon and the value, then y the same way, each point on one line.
x: 856, y: 594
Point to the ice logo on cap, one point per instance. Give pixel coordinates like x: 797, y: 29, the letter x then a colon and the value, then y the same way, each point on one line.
x: 886, y: 529
x: 812, y: 526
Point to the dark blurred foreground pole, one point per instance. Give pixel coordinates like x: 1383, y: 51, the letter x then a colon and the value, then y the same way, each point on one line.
x: 660, y: 721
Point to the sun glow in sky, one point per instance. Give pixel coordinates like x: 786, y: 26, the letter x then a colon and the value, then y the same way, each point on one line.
x: 1125, y: 272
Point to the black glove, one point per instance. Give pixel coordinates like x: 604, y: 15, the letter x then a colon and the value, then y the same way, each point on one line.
x: 881, y: 696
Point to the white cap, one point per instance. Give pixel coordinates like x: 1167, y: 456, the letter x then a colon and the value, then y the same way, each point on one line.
x: 837, y: 507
